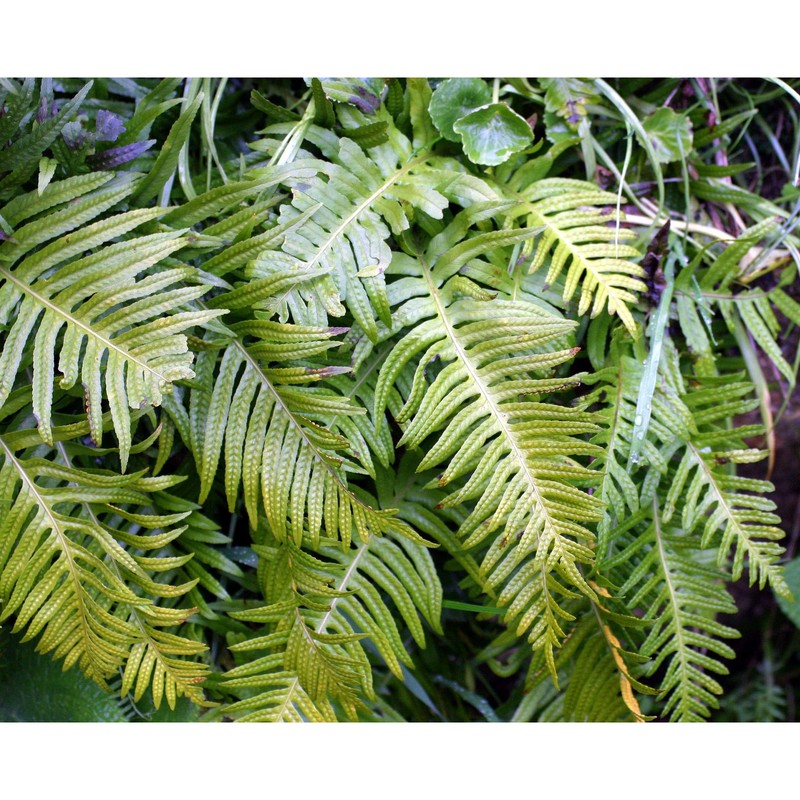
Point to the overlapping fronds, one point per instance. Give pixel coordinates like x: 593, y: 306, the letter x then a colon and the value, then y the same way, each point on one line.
x: 257, y: 401
x: 119, y: 338
x: 320, y: 610
x: 75, y: 571
x: 276, y: 430
x: 494, y: 360
x: 726, y: 285
x: 349, y: 208
x: 211, y: 568
x: 601, y: 687
x: 595, y: 671
x: 670, y: 425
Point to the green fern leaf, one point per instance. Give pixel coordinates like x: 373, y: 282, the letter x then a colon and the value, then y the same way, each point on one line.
x: 321, y: 608
x: 718, y: 502
x: 681, y: 596
x: 65, y: 577
x: 361, y: 198
x: 278, y: 440
x: 125, y: 323
x: 493, y: 427
x: 577, y: 238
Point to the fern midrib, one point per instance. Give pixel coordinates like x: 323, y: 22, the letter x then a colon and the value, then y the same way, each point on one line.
x: 360, y: 207
x: 72, y: 320
x: 575, y: 254
x: 484, y: 391
x: 64, y: 541
x: 504, y: 429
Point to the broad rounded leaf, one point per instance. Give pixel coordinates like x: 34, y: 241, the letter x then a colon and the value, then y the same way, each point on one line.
x: 670, y: 134
x: 558, y: 130
x: 454, y: 99
x: 493, y: 133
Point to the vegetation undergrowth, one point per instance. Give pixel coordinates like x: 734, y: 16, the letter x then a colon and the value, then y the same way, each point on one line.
x: 382, y: 400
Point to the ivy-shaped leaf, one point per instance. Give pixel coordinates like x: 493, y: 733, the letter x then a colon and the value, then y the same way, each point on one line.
x: 670, y: 134
x: 493, y: 133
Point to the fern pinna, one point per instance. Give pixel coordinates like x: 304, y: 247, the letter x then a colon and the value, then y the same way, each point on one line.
x: 378, y: 416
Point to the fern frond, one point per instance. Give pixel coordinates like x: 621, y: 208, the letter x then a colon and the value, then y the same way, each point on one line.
x: 681, y: 595
x: 364, y: 197
x: 718, y: 502
x: 278, y: 440
x: 117, y: 331
x: 320, y: 608
x: 211, y: 566
x: 578, y: 237
x: 517, y: 451
x: 595, y: 674
x: 66, y: 578
x: 163, y: 661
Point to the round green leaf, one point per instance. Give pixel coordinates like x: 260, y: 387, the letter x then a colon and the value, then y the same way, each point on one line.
x: 670, y: 134
x: 492, y: 134
x: 454, y: 99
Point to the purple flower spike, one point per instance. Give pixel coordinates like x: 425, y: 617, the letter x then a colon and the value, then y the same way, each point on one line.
x: 73, y: 134
x: 119, y: 155
x: 41, y: 114
x: 107, y: 126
